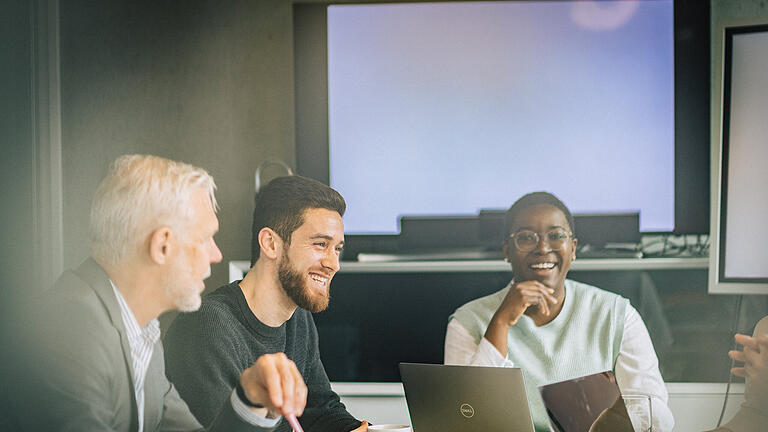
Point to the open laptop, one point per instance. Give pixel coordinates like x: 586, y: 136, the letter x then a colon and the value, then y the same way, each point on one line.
x: 588, y: 403
x: 444, y: 398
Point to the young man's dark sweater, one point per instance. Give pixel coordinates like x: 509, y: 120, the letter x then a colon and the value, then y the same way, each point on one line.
x: 206, y: 351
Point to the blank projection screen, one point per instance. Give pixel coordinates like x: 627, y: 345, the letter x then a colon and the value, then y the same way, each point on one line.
x: 449, y: 108
x: 742, y: 255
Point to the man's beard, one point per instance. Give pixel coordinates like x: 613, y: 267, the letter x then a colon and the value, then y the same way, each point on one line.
x: 184, y: 300
x: 296, y: 287
x: 181, y: 289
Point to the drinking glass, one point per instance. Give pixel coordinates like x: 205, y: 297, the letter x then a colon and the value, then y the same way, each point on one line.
x: 640, y: 411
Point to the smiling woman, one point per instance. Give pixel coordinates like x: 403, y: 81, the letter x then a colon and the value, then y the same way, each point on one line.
x: 553, y: 328
x: 543, y: 258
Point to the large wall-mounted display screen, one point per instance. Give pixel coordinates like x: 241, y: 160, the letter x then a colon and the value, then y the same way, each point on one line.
x: 739, y: 261
x: 449, y: 108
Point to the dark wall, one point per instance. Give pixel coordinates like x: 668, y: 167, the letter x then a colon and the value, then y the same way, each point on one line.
x: 16, y: 171
x: 18, y: 154
x: 209, y: 83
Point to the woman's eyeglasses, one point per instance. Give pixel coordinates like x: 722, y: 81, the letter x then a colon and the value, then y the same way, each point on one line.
x: 527, y: 240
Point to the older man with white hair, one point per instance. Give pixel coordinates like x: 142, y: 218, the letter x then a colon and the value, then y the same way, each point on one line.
x: 96, y: 359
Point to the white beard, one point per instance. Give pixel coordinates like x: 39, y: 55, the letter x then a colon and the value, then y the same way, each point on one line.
x: 181, y: 289
x: 185, y: 302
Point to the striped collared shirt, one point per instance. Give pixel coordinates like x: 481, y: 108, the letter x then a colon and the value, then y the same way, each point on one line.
x: 142, y: 342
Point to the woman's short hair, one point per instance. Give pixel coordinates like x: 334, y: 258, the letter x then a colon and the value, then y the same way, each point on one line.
x: 530, y: 200
x: 140, y: 194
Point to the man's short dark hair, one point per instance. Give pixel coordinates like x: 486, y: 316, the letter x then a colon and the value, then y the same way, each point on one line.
x: 530, y: 200
x: 280, y: 205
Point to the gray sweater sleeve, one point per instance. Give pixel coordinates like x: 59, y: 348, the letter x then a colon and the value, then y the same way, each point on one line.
x: 201, y: 361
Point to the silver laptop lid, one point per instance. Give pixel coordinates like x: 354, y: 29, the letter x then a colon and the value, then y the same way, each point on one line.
x: 444, y: 398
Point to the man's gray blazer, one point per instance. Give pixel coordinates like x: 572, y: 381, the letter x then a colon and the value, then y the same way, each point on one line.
x: 77, y: 372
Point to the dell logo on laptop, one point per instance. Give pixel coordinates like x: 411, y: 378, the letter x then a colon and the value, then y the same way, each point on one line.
x: 466, y: 410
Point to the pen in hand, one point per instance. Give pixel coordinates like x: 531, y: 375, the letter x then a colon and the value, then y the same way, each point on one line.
x: 294, y: 422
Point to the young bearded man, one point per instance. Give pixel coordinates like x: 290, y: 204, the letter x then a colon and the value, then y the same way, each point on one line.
x: 94, y: 360
x: 297, y: 237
